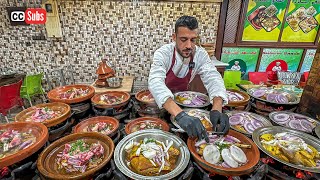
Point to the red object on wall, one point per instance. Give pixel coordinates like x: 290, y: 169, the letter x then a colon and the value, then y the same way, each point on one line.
x: 272, y: 75
x: 258, y: 77
x: 10, y: 97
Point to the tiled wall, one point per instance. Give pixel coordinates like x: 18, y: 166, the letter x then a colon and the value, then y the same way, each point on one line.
x: 128, y: 32
x: 310, y: 99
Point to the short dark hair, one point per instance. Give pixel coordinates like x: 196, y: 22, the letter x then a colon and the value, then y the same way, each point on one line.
x: 186, y: 21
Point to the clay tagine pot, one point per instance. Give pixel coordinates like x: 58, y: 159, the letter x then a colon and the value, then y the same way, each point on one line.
x: 104, y: 72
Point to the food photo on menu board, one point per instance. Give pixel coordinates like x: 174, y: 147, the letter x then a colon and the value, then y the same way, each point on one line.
x: 263, y: 20
x: 302, y: 21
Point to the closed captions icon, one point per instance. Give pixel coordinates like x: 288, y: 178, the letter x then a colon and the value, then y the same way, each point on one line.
x: 17, y: 16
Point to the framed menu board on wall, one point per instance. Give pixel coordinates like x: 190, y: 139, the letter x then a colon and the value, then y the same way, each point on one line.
x: 241, y: 59
x: 289, y: 59
x: 308, y: 59
x: 263, y: 20
x: 302, y: 21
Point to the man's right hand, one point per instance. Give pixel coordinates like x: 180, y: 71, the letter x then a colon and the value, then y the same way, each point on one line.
x: 192, y: 126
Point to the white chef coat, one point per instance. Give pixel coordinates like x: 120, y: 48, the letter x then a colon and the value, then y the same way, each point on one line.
x: 204, y: 66
x: 276, y: 68
x: 236, y: 68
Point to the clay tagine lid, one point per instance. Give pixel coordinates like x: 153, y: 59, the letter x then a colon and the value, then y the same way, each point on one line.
x: 104, y: 69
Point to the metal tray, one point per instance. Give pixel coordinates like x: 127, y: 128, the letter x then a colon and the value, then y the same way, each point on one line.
x: 293, y: 98
x: 264, y: 121
x: 278, y: 129
x: 174, y: 122
x: 317, y: 131
x: 191, y: 106
x: 120, y: 154
x: 271, y: 115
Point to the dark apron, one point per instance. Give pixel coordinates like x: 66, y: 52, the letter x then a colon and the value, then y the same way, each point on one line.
x: 175, y: 83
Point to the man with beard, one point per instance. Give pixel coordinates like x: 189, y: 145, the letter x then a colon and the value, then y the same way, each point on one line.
x: 174, y: 67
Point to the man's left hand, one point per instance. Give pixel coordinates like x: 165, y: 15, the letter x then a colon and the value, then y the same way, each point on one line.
x: 222, y: 119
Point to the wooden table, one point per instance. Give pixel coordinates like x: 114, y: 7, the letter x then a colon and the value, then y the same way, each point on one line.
x: 126, y: 86
x: 14, y: 79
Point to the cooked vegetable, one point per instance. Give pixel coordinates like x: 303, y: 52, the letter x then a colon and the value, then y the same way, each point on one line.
x: 191, y: 99
x: 12, y: 141
x: 211, y: 154
x: 151, y: 157
x: 42, y: 114
x: 148, y: 97
x: 79, y: 156
x: 110, y: 99
x: 237, y: 154
x: 100, y: 127
x: 73, y: 93
x: 291, y: 148
x: 204, y: 117
x: 145, y: 125
x: 222, y: 151
x: 228, y: 159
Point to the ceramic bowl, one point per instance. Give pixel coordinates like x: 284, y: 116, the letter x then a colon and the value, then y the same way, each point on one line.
x: 96, y: 98
x: 138, y: 121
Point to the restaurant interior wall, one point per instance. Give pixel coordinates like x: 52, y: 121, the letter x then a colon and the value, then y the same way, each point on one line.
x: 256, y: 53
x: 128, y: 32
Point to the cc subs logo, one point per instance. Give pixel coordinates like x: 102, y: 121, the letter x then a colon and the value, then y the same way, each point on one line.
x: 29, y: 16
x: 17, y: 16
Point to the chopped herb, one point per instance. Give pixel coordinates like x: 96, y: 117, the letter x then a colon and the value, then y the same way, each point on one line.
x: 150, y: 140
x: 78, y: 145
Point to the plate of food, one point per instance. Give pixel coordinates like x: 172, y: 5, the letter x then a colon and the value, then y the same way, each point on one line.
x: 144, y: 123
x: 191, y: 99
x: 230, y: 155
x: 308, y: 24
x: 271, y: 10
x: 237, y: 98
x: 294, y: 121
x: 246, y: 122
x: 311, y: 11
x: 102, y: 124
x: 268, y: 94
x: 110, y: 99
x: 71, y: 94
x: 203, y: 115
x: 20, y: 140
x: 270, y: 23
x: 256, y: 17
x: 290, y: 147
x: 50, y: 114
x: 151, y: 154
x: 76, y: 156
x: 293, y: 22
x: 145, y: 96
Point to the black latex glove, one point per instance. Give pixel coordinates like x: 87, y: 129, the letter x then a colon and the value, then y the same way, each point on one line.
x: 222, y: 119
x: 192, y: 126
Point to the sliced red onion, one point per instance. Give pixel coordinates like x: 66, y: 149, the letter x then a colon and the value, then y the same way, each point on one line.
x: 232, y: 138
x: 281, y: 118
x: 282, y: 98
x: 307, y: 125
x: 248, y: 127
x: 272, y: 97
x: 256, y: 124
x: 225, y: 165
x: 295, y: 124
x: 235, y: 120
x: 259, y: 93
x: 301, y: 117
